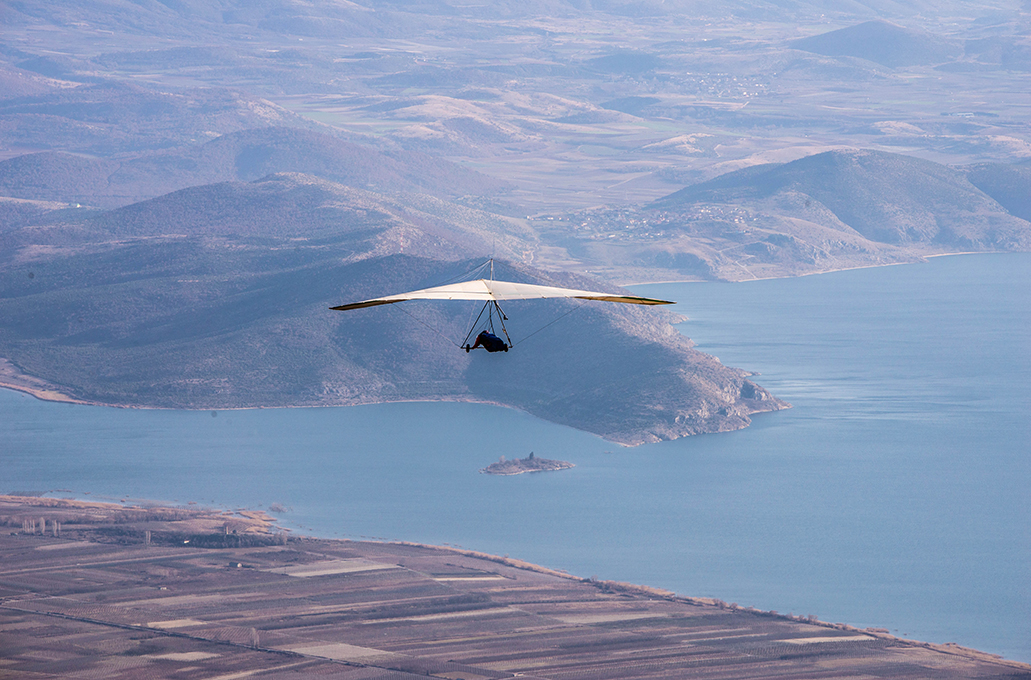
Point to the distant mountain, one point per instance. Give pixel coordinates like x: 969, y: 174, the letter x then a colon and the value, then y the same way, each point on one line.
x: 819, y: 67
x: 883, y: 197
x: 16, y: 213
x: 18, y: 82
x: 218, y: 296
x: 256, y: 153
x: 243, y: 155
x: 378, y: 18
x: 185, y: 18
x: 883, y: 43
x: 109, y: 118
x: 626, y: 62
x: 56, y: 176
x: 1004, y: 52
x: 1008, y: 184
x: 300, y: 208
x: 296, y: 207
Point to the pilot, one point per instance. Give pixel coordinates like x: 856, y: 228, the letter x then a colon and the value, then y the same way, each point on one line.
x: 489, y: 342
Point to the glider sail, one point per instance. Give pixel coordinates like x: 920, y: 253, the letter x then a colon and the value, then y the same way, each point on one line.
x: 491, y: 293
x: 498, y: 291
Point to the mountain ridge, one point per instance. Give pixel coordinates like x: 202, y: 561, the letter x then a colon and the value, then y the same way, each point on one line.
x: 235, y: 156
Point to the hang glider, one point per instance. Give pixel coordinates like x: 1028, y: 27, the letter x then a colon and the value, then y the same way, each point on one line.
x: 491, y: 292
x: 499, y: 291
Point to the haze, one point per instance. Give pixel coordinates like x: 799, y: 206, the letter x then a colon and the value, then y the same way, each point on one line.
x: 187, y: 186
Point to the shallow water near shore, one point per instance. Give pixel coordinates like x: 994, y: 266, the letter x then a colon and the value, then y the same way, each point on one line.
x: 894, y: 494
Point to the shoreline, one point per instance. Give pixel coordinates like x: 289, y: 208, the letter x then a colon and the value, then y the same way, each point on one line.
x: 44, y: 391
x: 12, y: 378
x: 919, y: 259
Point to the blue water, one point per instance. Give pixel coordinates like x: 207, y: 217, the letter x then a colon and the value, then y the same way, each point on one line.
x: 894, y: 494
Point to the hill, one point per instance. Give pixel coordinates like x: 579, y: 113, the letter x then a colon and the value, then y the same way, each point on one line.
x: 172, y: 303
x: 838, y: 209
x: 17, y: 82
x: 883, y: 197
x: 110, y: 181
x: 883, y: 43
x: 56, y: 176
x: 114, y: 117
x: 1008, y: 184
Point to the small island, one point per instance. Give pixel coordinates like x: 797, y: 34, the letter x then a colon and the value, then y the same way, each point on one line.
x: 521, y: 465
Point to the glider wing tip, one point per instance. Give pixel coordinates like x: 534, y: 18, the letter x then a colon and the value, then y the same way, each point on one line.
x: 628, y: 299
x: 651, y: 301
x: 362, y: 305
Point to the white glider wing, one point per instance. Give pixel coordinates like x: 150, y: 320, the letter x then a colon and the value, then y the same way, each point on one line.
x: 485, y: 291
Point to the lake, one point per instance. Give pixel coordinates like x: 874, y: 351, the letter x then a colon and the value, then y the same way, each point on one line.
x: 894, y: 494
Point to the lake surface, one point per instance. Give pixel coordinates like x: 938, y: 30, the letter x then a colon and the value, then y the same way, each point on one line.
x: 896, y: 493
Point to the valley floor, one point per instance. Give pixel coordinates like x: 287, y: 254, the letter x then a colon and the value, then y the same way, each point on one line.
x: 112, y: 590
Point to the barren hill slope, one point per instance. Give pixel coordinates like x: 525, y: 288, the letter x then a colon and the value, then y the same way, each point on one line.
x: 882, y: 42
x: 110, y: 181
x: 834, y: 210
x: 884, y: 197
x: 113, y: 117
x: 1008, y: 184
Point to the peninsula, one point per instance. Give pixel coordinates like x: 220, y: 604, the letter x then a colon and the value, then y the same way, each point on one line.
x: 521, y: 465
x: 127, y: 591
